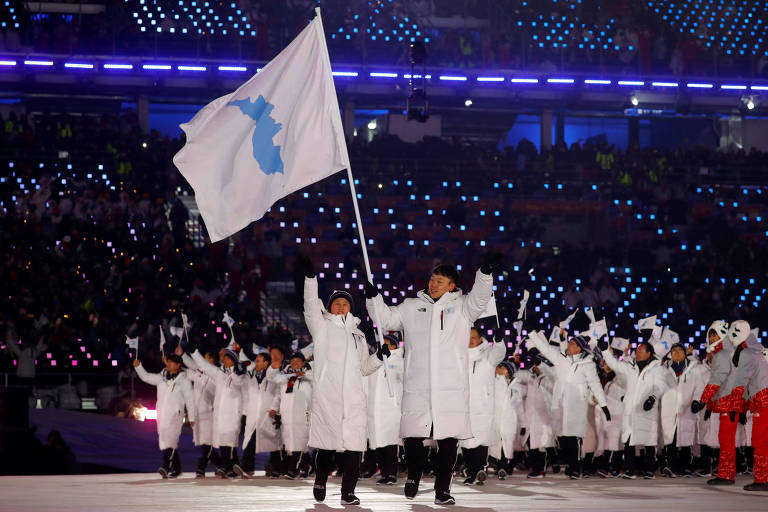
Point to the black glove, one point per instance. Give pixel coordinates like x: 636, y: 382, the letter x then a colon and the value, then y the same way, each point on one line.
x: 498, y: 335
x: 522, y: 431
x: 696, y: 406
x: 707, y: 414
x: 370, y: 290
x: 602, y: 345
x: 277, y: 421
x: 492, y: 263
x: 382, y: 351
x: 648, y: 405
x: 743, y: 418
x: 307, y: 267
x: 607, y: 413
x: 188, y: 348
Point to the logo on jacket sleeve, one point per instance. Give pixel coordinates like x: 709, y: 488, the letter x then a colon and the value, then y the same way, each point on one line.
x: 422, y: 310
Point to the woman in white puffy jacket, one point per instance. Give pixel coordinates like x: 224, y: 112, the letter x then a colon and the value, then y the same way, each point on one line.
x: 678, y: 422
x: 483, y: 359
x: 508, y: 414
x: 646, y: 382
x: 338, y: 420
x: 538, y: 414
x: 205, y: 391
x: 295, y: 391
x: 609, y: 445
x: 576, y: 382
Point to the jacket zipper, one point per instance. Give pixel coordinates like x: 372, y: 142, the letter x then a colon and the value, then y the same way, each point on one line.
x: 441, y: 320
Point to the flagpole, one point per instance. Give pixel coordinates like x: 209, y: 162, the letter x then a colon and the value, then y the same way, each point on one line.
x: 350, y: 177
x: 364, y: 247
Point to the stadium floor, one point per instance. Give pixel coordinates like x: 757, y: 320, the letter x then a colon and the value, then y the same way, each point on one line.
x: 142, y: 491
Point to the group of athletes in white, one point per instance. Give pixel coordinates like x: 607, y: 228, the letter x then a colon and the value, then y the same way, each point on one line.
x: 588, y: 408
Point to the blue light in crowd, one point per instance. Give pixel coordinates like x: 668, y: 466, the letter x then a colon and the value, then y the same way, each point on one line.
x: 759, y: 88
x: 665, y: 84
x: 38, y: 62
x: 191, y: 68
x: 165, y: 67
x: 524, y: 80
x: 117, y: 66
x: 490, y: 79
x: 597, y: 82
x: 233, y: 68
x: 377, y: 74
x: 700, y: 86
x: 78, y: 65
x: 453, y: 78
x: 560, y: 80
x: 351, y: 74
x: 631, y: 82
x: 733, y: 87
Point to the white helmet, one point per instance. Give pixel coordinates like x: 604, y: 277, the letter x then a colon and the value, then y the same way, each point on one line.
x: 739, y: 332
x: 721, y: 329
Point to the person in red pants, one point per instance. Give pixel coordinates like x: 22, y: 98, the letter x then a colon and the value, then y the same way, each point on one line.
x: 715, y: 399
x: 752, y: 378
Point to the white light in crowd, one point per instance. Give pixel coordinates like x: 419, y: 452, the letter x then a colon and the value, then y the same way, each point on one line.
x: 157, y: 66
x: 490, y: 79
x: 118, y: 66
x: 524, y: 80
x: 191, y: 68
x: 233, y: 68
x: 345, y: 73
x: 750, y: 103
x: 597, y: 82
x: 664, y: 84
x: 453, y: 78
x: 383, y: 75
x: 7, y: 62
x: 634, y: 101
x: 78, y: 65
x: 372, y: 124
x: 38, y: 62
x: 467, y: 102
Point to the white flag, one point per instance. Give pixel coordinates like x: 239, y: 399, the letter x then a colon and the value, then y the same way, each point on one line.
x: 162, y: 338
x: 228, y: 319
x: 590, y: 314
x: 279, y: 132
x: 620, y: 343
x: 132, y: 342
x: 669, y: 337
x: 184, y: 321
x: 646, y: 323
x: 523, y: 303
x: 565, y: 323
x: 177, y: 331
x: 598, y: 329
x: 490, y: 308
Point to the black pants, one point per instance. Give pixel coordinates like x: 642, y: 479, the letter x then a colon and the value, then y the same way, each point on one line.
x: 171, y: 460
x: 207, y: 453
x: 537, y: 460
x: 570, y: 449
x: 228, y: 457
x: 475, y: 460
x: 324, y: 465
x: 294, y: 461
x: 416, y: 460
x: 249, y: 454
x: 647, y: 461
x: 386, y: 458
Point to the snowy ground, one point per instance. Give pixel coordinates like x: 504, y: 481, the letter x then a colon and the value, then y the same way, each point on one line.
x: 139, y: 492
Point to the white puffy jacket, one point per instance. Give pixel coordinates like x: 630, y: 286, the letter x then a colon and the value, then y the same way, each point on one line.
x: 205, y: 392
x: 509, y: 414
x: 294, y: 410
x: 173, y: 395
x: 640, y: 427
x: 436, y: 377
x: 482, y: 371
x: 228, y: 402
x: 676, y: 415
x: 338, y: 418
x: 260, y: 398
x: 384, y: 410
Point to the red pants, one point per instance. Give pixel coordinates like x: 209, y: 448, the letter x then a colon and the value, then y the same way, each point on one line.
x: 760, y: 444
x: 726, y: 466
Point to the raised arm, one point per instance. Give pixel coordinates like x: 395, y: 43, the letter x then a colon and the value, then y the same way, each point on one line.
x: 540, y: 342
x: 189, y: 362
x: 388, y: 318
x: 369, y: 363
x: 498, y: 351
x: 619, y: 367
x: 204, y: 366
x: 155, y: 379
x: 479, y: 296
x: 313, y: 309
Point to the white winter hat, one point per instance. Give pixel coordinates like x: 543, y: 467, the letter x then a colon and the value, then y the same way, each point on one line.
x: 739, y: 332
x: 721, y: 329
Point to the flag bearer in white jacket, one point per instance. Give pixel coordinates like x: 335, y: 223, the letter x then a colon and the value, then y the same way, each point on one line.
x: 261, y: 399
x: 483, y: 359
x: 646, y: 382
x: 338, y: 420
x: 384, y: 413
x: 295, y: 388
x: 229, y: 379
x: 609, y: 432
x: 510, y: 386
x: 435, y: 327
x: 174, y: 394
x: 205, y: 391
x: 576, y: 377
x: 678, y: 421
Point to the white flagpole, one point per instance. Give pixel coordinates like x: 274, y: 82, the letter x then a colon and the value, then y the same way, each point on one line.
x: 379, y: 333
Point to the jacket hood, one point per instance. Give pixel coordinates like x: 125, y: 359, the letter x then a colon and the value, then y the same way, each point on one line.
x: 445, y: 299
x: 342, y: 320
